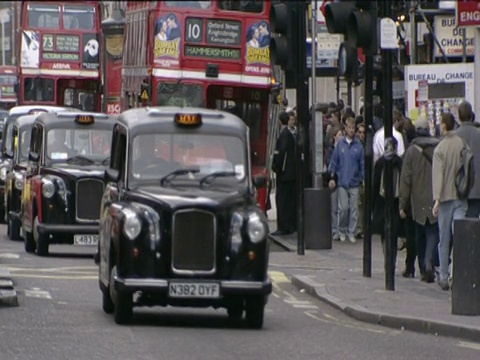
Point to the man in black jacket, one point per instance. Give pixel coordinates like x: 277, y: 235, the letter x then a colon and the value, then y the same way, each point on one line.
x: 284, y: 166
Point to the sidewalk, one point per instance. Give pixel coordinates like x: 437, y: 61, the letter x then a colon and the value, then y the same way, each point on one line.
x: 8, y: 295
x: 335, y: 277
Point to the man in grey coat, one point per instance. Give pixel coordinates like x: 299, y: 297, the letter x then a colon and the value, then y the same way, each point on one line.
x: 447, y: 206
x: 416, y: 195
x: 471, y: 135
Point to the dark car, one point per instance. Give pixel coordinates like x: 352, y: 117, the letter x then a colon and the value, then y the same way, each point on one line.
x: 64, y: 180
x: 17, y: 142
x: 179, y: 222
x: 5, y: 163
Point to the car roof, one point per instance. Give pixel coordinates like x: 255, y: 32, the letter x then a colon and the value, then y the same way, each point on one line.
x: 24, y: 120
x: 62, y: 118
x: 25, y: 109
x: 161, y: 118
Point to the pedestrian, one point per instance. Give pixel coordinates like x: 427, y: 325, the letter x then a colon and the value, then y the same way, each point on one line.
x: 378, y: 194
x: 379, y: 141
x: 416, y: 201
x: 447, y: 204
x: 471, y: 135
x: 338, y: 134
x: 348, y: 164
x: 361, y: 197
x: 283, y: 165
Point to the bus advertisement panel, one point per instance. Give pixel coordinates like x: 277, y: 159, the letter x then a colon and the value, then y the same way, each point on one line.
x: 60, y: 54
x: 212, y: 54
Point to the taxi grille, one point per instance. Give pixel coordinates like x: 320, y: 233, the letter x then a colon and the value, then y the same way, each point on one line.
x: 193, y: 242
x: 89, y: 197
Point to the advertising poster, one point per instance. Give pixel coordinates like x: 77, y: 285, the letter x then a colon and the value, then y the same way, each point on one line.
x: 30, y: 50
x: 435, y: 88
x: 257, y: 41
x: 113, y: 73
x: 91, y: 52
x: 167, y: 41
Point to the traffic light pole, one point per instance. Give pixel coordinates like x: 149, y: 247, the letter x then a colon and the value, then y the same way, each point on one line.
x: 303, y: 117
x: 368, y: 184
x: 390, y: 230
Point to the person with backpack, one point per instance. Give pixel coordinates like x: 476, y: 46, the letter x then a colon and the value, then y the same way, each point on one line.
x: 449, y: 203
x: 416, y: 197
x: 471, y: 135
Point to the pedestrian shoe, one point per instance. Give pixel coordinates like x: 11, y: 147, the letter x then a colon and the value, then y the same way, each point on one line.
x: 336, y: 237
x: 407, y: 273
x: 444, y: 285
x: 428, y: 278
x: 352, y: 239
x: 343, y: 238
x: 359, y: 236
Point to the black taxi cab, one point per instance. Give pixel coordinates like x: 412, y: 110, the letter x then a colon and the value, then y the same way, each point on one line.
x: 64, y: 179
x: 17, y: 142
x: 5, y: 163
x: 179, y: 221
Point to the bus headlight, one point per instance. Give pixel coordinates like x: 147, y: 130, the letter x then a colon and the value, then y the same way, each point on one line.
x: 48, y: 188
x: 3, y: 173
x: 18, y: 181
x: 256, y: 229
x: 132, y: 224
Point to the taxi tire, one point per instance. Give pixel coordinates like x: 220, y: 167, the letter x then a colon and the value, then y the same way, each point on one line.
x: 40, y: 239
x: 123, y: 302
x: 107, y: 304
x: 13, y: 229
x: 254, y: 311
x: 30, y: 245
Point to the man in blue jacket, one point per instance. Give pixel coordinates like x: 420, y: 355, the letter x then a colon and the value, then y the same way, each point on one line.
x: 348, y: 164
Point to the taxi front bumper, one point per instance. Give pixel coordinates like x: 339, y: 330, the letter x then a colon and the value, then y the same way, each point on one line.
x: 76, y: 229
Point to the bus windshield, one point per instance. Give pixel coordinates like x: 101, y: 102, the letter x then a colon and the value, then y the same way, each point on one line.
x: 43, y: 15
x: 178, y: 94
x: 190, y: 4
x: 253, y: 6
x: 79, y: 17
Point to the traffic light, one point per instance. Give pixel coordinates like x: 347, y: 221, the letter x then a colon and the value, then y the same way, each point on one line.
x: 284, y: 43
x: 362, y: 27
x: 277, y: 97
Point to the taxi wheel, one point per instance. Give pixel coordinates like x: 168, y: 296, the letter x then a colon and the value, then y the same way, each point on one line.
x: 254, y: 311
x: 30, y: 245
x: 2, y: 216
x: 123, y: 308
x: 13, y: 229
x: 107, y: 303
x: 235, y: 309
x: 40, y: 239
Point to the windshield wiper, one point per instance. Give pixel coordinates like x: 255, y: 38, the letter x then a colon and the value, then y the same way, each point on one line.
x: 80, y: 159
x: 106, y: 161
x: 217, y: 174
x: 175, y: 173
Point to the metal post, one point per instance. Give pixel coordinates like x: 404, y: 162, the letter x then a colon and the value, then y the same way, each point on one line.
x: 390, y: 243
x: 368, y: 185
x: 302, y: 124
x: 413, y: 32
x: 349, y: 93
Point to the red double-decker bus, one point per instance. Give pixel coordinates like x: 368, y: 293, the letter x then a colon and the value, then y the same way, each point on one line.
x: 59, y: 56
x: 212, y: 54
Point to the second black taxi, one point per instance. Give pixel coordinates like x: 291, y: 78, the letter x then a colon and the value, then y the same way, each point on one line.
x: 180, y: 225
x: 64, y: 179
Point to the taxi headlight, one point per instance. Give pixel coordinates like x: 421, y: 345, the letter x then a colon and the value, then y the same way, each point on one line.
x: 19, y: 182
x: 132, y: 224
x: 256, y: 229
x: 3, y: 173
x: 236, y: 228
x: 48, y: 188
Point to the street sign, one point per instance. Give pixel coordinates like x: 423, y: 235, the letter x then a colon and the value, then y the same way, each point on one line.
x: 468, y: 13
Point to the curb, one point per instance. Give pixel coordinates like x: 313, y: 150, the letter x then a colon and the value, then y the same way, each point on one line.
x: 280, y: 243
x: 8, y: 295
x: 393, y: 321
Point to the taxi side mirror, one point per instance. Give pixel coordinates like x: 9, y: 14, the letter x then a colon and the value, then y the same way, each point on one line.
x: 8, y: 154
x: 33, y: 156
x: 112, y: 175
x: 260, y: 181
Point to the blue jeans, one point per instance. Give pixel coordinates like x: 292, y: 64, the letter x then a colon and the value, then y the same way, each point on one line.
x: 426, y: 239
x: 334, y: 202
x: 348, y: 209
x: 447, y: 213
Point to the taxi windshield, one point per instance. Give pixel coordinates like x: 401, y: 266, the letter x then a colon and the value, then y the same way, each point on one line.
x: 24, y: 144
x: 153, y: 157
x: 70, y: 145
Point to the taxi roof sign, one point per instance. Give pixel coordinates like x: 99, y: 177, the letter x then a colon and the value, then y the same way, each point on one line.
x: 84, y: 119
x: 188, y: 119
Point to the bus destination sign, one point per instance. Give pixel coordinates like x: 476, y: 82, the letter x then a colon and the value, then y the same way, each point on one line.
x: 67, y: 43
x: 212, y: 52
x: 224, y: 32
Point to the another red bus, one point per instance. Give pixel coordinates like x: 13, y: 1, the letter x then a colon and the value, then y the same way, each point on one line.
x: 59, y: 56
x: 212, y: 54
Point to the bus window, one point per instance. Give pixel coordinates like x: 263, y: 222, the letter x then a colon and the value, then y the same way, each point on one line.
x: 250, y: 113
x: 43, y: 16
x: 253, y: 6
x: 190, y: 4
x: 38, y: 89
x: 68, y: 97
x: 178, y: 94
x: 78, y: 17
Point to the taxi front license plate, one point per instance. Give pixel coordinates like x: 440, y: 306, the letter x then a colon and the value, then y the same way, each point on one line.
x: 85, y: 239
x: 194, y: 290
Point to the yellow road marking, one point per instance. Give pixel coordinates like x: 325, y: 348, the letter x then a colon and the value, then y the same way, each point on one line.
x: 278, y: 277
x: 469, y: 345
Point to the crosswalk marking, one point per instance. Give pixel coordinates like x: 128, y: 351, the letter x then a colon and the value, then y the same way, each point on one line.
x: 37, y: 293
